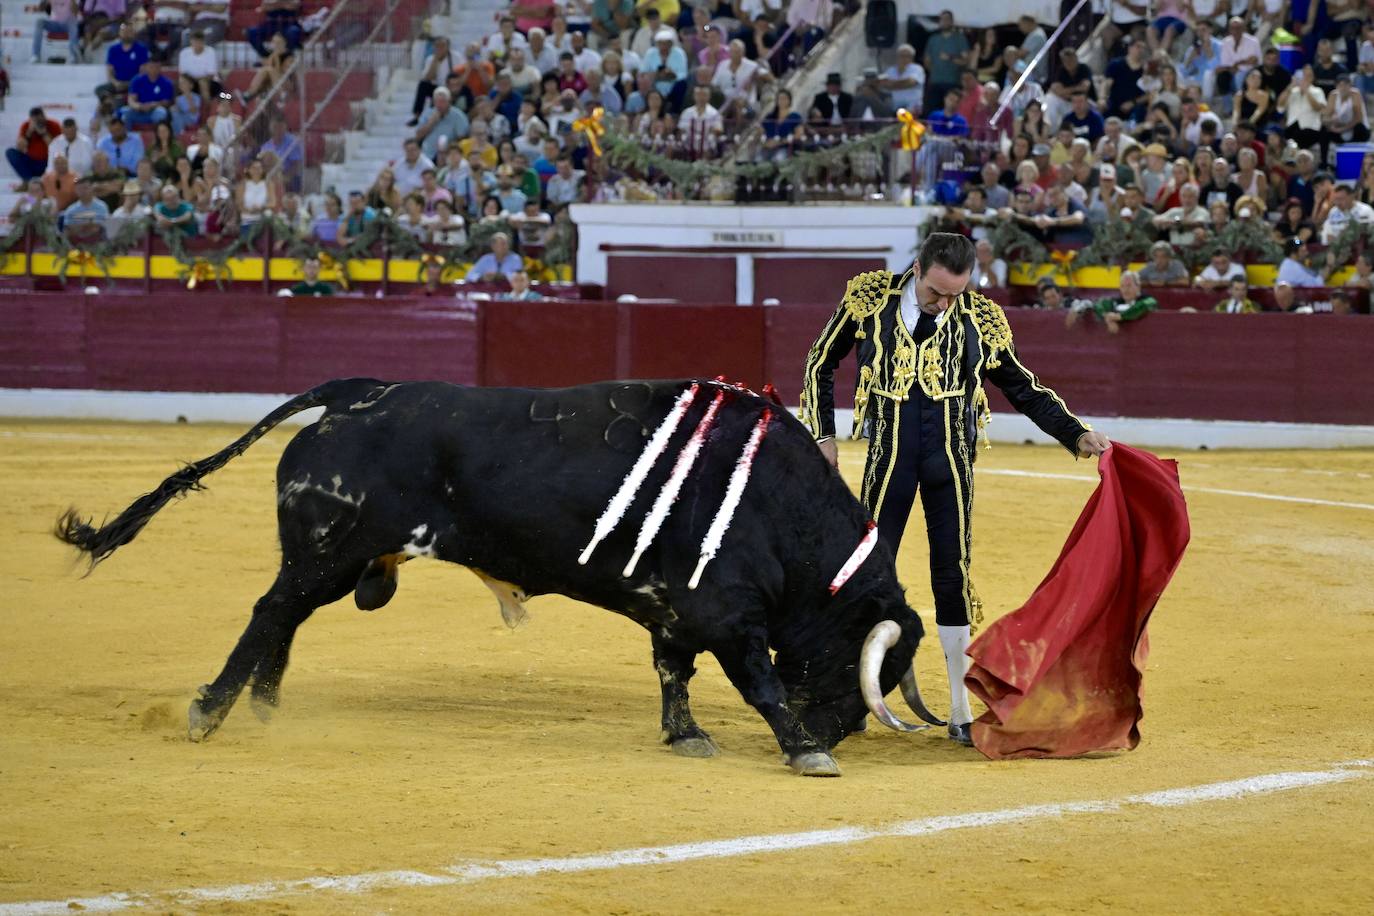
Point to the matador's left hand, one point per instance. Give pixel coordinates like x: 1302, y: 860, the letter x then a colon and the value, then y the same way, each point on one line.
x: 1092, y: 443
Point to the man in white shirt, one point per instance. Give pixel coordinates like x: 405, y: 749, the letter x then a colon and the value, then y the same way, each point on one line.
x: 1303, y: 103
x: 542, y: 55
x: 1219, y: 273
x: 211, y: 17
x: 75, y: 146
x: 1192, y: 119
x: 905, y: 80
x: 1240, y: 52
x: 738, y: 80
x: 410, y: 168
x: 701, y: 124
x: 584, y: 57
x: 524, y: 79
x: 1344, y: 209
x: 201, y: 63
x: 498, y: 45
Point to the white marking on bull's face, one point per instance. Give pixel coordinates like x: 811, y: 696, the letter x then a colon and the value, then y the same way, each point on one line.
x: 421, y: 543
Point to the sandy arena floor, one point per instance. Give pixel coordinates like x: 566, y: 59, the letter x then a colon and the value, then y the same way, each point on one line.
x: 427, y: 735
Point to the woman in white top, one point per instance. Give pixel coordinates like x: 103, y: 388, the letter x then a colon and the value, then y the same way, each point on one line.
x: 1248, y: 176
x: 1346, y: 118
x: 224, y: 126
x: 256, y: 195
x: 1303, y: 104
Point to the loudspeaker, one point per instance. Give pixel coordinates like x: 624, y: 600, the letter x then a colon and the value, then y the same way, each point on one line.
x: 880, y: 24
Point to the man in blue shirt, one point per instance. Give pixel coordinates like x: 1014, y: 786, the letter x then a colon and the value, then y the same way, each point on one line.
x: 947, y: 122
x: 497, y: 264
x: 123, y: 61
x: 286, y: 149
x: 1083, y: 121
x: 85, y: 218
x: 150, y: 97
x: 123, y: 148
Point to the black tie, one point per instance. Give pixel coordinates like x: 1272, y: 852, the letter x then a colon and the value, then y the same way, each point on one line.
x: 925, y: 328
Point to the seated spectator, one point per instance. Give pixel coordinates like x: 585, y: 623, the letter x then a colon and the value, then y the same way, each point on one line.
x: 174, y: 214
x: 491, y: 212
x: 1064, y: 219
x: 409, y: 169
x: 150, y: 97
x: 1237, y: 301
x: 739, y: 79
x: 1296, y: 267
x: 1048, y: 294
x: 325, y: 227
x: 511, y: 197
x: 498, y: 263
x: 1163, y: 269
x: 124, y: 60
x: 286, y: 150
x: 124, y: 150
x: 204, y: 149
x: 1082, y: 120
x: 431, y: 192
x: 214, y: 201
x: 541, y: 54
x: 312, y: 285
x: 75, y: 146
x: 411, y: 219
x: 833, y: 105
x: 474, y: 75
x: 525, y: 78
x: 1303, y: 103
x: 1187, y: 223
x: 1345, y: 209
x: 444, y: 125
x: 199, y: 63
x: 275, y: 65
x: 1341, y: 303
x: 479, y: 143
x: 256, y: 195
x: 356, y: 221
x: 163, y: 32
x: 505, y: 38
x: 598, y: 93
x: 1130, y: 305
x: 565, y: 186
x: 1363, y: 275
x: 947, y: 122
x: 1125, y: 98
x: 59, y: 184
x: 439, y: 63
x: 1220, y: 273
x: 85, y: 217
x: 150, y: 186
x: 164, y: 152
x: 130, y: 212
x: 29, y: 157
x: 383, y: 195
x: 1285, y: 297
x: 473, y: 186
x: 60, y: 16
x: 446, y: 227
x: 1105, y: 200
x: 531, y: 225
x: 280, y: 18
x: 208, y: 17
x: 296, y: 217
x: 584, y: 58
x: 185, y: 108
x: 520, y: 289
x: 35, y: 198
x: 668, y: 63
x: 506, y: 100
x: 988, y: 269
x: 871, y: 102
x: 108, y: 180
x: 701, y: 125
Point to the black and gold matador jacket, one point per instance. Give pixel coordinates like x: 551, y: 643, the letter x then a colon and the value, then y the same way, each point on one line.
x: 972, y: 343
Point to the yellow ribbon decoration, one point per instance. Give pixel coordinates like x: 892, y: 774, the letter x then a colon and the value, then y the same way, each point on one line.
x: 591, y: 126
x: 428, y: 260
x: 81, y: 259
x: 912, y: 130
x: 329, y: 262
x: 1065, y: 261
x: 201, y: 271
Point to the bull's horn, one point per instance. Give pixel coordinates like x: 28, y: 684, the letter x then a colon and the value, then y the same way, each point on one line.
x: 912, y: 694
x: 881, y: 638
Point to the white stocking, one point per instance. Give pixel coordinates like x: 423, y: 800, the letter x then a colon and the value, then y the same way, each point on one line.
x: 955, y: 640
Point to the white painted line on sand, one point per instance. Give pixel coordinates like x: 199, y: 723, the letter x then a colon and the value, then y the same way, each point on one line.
x: 473, y: 871
x: 1276, y: 497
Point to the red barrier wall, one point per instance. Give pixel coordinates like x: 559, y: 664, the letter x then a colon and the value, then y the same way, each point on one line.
x: 1295, y: 368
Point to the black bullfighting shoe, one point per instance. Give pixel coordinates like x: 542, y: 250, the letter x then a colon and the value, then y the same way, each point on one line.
x: 962, y: 734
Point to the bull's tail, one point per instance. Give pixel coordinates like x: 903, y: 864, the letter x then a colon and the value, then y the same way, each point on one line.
x: 99, y: 543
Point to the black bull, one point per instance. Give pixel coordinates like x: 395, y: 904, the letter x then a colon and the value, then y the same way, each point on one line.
x: 511, y: 482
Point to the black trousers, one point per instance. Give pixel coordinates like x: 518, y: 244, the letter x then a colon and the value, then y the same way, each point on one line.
x: 907, y: 454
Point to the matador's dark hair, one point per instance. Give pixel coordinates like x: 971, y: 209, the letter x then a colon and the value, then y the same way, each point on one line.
x: 950, y: 250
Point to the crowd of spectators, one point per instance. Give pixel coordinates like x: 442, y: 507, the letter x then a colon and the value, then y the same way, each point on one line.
x: 1203, y: 120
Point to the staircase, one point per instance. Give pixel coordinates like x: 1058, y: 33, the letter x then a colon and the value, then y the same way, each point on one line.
x: 367, y: 151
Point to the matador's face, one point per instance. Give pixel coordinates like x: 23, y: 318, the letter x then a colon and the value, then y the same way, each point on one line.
x: 937, y: 288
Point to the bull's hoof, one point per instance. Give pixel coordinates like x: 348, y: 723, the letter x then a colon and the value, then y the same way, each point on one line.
x: 695, y: 747
x: 264, y: 706
x: 375, y: 586
x: 962, y: 734
x: 814, y: 763
x: 205, y: 716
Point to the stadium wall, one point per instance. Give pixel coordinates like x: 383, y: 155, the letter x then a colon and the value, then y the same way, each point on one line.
x: 1279, y: 379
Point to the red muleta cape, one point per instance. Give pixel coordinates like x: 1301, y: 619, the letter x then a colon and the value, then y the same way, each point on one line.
x: 1062, y: 675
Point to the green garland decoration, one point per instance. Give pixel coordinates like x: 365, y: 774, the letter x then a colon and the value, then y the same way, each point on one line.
x: 1014, y: 244
x: 1341, y: 251
x: 629, y: 152
x: 1115, y: 243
